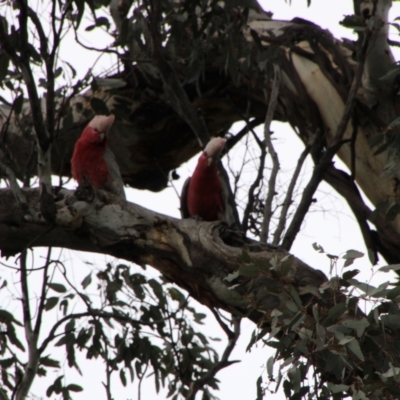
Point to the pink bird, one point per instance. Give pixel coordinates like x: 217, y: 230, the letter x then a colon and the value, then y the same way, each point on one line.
x: 202, y: 194
x: 92, y: 159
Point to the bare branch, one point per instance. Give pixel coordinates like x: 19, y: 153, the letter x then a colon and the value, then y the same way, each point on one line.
x: 223, y: 363
x: 26, y: 311
x: 222, y: 324
x: 333, y: 147
x: 345, y: 186
x: 253, y: 187
x: 140, y: 382
x: 42, y: 36
x: 15, y: 188
x: 289, y: 194
x: 177, y: 96
x: 109, y: 370
x: 250, y: 125
x: 22, y: 62
x: 3, y: 395
x: 43, y: 293
x: 274, y: 156
x: 31, y: 338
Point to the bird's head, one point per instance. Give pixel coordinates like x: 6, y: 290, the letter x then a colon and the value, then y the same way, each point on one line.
x: 98, y: 128
x: 213, y: 149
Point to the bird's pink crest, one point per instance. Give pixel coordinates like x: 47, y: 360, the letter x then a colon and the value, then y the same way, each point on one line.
x: 214, y: 148
x: 102, y: 123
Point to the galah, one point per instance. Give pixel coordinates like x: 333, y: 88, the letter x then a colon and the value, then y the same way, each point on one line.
x: 203, y: 195
x: 93, y: 160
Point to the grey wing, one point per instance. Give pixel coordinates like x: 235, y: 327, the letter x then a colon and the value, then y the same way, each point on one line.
x: 231, y: 216
x: 184, y: 194
x: 115, y: 186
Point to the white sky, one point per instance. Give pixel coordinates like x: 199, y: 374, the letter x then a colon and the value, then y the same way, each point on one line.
x: 335, y: 229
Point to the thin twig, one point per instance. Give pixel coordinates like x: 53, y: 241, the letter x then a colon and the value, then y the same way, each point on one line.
x: 3, y: 395
x: 252, y: 189
x: 353, y: 148
x: 85, y: 299
x: 15, y: 188
x: 274, y: 155
x: 92, y: 313
x: 333, y: 147
x: 26, y: 310
x: 249, y: 127
x: 43, y: 294
x: 31, y: 338
x: 177, y: 96
x: 108, y: 374
x: 222, y: 324
x: 140, y: 382
x: 289, y: 194
x: 174, y: 347
x: 223, y: 363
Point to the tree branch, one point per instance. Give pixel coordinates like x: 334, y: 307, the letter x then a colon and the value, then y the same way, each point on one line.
x: 274, y: 156
x: 222, y: 363
x: 3, y: 395
x: 178, y: 98
x: 345, y: 186
x: 109, y: 370
x: 15, y: 188
x: 326, y: 159
x: 91, y: 313
x: 289, y: 193
x: 31, y: 338
x: 250, y: 197
x: 174, y: 247
x: 22, y: 63
x: 43, y: 294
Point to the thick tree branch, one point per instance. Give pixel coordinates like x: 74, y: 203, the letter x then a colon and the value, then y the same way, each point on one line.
x: 194, y: 256
x: 179, y: 249
x: 345, y: 186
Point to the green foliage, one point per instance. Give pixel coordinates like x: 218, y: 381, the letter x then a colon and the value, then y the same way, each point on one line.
x: 195, y: 35
x: 142, y: 327
x: 331, y: 349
